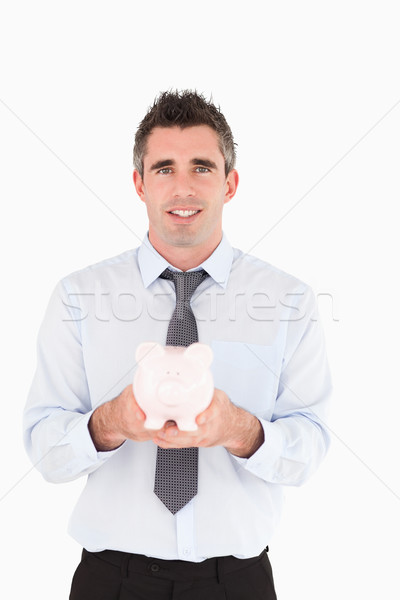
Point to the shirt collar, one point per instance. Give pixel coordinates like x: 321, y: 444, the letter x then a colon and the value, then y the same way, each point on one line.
x: 218, y: 265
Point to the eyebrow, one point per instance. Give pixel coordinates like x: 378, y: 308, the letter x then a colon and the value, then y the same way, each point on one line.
x: 203, y: 162
x: 161, y: 163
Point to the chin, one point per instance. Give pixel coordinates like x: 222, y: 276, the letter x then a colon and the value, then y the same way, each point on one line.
x: 184, y: 238
x: 184, y: 241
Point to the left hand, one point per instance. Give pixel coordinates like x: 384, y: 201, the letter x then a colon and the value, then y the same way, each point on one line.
x: 221, y: 424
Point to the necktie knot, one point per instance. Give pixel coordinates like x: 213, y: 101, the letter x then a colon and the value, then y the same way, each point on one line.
x: 185, y: 283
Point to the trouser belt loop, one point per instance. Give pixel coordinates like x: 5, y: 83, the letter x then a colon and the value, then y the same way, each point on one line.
x: 125, y: 565
x: 220, y: 569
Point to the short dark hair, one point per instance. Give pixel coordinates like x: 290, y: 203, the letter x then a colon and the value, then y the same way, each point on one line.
x: 184, y: 109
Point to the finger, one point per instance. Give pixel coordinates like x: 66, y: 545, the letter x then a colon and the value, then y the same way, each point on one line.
x: 140, y: 415
x: 206, y: 415
x: 169, y: 424
x: 134, y: 406
x: 178, y: 438
x: 167, y: 432
x: 167, y: 444
x: 164, y: 442
x: 169, y: 428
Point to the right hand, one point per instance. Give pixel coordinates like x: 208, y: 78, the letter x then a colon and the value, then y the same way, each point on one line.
x: 118, y: 420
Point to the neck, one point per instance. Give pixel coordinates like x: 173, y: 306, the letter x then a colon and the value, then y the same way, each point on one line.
x: 184, y: 257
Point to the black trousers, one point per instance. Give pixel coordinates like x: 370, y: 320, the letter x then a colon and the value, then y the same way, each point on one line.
x: 111, y: 575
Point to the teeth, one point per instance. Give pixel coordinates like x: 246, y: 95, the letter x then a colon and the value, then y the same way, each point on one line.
x: 184, y: 213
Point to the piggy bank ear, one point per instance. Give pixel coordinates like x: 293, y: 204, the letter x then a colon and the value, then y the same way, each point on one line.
x: 148, y: 350
x: 199, y: 352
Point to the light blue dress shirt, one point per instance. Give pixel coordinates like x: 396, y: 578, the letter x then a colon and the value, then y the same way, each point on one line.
x: 269, y: 357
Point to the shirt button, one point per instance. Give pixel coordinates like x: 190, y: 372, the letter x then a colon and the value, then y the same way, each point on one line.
x: 187, y: 551
x: 155, y: 568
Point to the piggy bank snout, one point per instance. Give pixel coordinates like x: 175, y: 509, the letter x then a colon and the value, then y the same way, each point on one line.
x: 170, y: 392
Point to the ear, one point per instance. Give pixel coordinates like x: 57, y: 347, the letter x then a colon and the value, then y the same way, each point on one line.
x: 148, y: 350
x: 199, y: 352
x: 232, y: 182
x: 139, y: 185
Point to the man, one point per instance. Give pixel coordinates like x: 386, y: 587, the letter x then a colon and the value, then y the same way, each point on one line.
x: 264, y: 427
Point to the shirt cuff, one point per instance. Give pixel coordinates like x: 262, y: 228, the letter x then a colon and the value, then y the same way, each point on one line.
x: 263, y: 462
x: 79, y: 437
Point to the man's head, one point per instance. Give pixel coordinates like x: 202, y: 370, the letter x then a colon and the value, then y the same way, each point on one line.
x: 184, y: 109
x: 184, y: 175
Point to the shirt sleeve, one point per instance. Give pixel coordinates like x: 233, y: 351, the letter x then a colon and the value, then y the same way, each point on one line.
x: 297, y: 436
x: 58, y: 408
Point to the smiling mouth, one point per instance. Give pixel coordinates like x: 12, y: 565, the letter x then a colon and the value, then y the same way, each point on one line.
x: 184, y: 213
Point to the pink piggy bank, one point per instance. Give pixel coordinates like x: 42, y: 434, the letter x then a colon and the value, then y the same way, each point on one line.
x: 173, y: 383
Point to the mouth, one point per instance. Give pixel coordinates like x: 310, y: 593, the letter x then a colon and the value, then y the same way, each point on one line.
x: 184, y: 213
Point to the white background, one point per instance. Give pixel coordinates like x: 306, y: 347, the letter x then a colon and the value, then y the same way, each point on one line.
x: 312, y: 93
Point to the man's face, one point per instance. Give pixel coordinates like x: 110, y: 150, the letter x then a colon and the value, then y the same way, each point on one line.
x: 184, y: 187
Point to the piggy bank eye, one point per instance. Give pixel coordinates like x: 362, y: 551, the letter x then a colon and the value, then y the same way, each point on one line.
x: 168, y: 373
x: 177, y: 373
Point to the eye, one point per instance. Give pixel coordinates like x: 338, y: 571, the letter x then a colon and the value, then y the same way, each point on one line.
x: 202, y: 170
x: 165, y: 171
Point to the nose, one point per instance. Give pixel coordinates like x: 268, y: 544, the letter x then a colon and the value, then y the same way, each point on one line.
x: 170, y: 393
x: 183, y: 185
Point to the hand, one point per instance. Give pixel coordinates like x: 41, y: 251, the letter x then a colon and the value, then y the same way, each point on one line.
x: 221, y: 424
x: 118, y: 420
